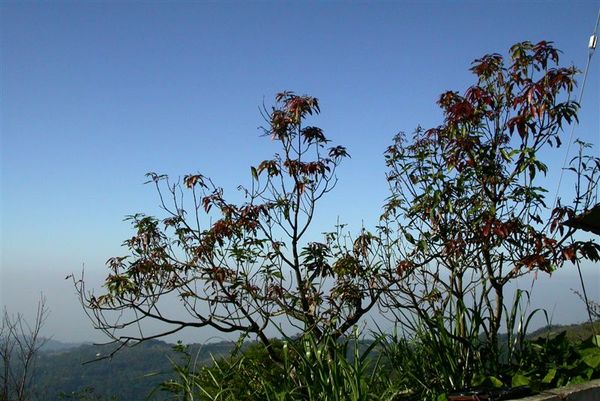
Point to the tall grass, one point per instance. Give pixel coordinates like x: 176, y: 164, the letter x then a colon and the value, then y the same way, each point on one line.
x: 441, y: 355
x: 311, y: 370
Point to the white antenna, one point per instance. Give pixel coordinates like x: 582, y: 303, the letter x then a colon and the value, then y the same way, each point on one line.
x: 592, y: 43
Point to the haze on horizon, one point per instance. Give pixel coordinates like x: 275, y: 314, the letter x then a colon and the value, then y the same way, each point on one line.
x: 95, y: 95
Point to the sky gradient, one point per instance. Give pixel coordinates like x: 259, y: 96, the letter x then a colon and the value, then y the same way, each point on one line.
x: 93, y: 95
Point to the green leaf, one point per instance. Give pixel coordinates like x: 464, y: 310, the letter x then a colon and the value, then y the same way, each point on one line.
x: 442, y: 397
x: 591, y: 357
x: 549, y: 376
x: 496, y: 383
x: 519, y: 380
x: 578, y: 380
x: 254, y: 173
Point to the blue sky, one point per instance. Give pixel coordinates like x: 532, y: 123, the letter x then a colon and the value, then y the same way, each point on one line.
x: 96, y: 94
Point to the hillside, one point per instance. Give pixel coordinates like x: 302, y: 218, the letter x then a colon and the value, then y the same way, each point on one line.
x: 133, y: 372
x: 52, y: 345
x: 129, y: 375
x: 578, y: 331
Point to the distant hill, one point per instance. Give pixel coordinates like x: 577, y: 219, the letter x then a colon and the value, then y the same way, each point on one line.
x: 133, y: 372
x: 51, y: 345
x: 130, y: 374
x: 579, y: 331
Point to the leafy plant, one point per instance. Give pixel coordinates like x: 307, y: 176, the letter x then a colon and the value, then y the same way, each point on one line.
x: 336, y: 370
x: 240, y: 267
x: 468, y: 212
x: 555, y: 362
x: 192, y: 381
x: 467, y: 215
x: 311, y: 370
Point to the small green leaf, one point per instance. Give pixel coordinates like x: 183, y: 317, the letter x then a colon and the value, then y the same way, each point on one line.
x: 591, y: 357
x: 496, y: 383
x: 442, y: 397
x: 578, y: 380
x: 549, y: 376
x: 519, y: 380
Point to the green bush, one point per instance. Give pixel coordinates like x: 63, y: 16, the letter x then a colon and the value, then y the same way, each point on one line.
x: 557, y: 361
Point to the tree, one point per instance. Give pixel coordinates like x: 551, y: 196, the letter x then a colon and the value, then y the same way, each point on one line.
x: 468, y: 212
x: 19, y: 346
x: 245, y: 267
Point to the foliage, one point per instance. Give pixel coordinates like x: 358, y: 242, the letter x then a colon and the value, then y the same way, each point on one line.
x: 311, y: 370
x: 555, y: 362
x: 466, y: 216
x: 392, y: 368
x: 336, y: 370
x: 541, y: 363
x: 403, y: 360
x: 574, y: 331
x: 237, y: 377
x: 389, y: 368
x: 468, y: 211
x: 238, y: 268
x: 444, y: 370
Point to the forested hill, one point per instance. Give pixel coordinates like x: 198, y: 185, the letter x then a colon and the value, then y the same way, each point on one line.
x: 574, y: 331
x: 133, y: 372
x: 129, y: 375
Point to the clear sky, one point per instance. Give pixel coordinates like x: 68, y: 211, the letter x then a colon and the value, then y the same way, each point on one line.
x: 95, y: 94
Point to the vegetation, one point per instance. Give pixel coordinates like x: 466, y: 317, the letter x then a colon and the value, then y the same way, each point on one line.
x: 467, y: 214
x: 132, y: 374
x: 19, y: 344
x: 80, y: 373
x: 239, y: 268
x: 468, y: 211
x: 389, y: 368
x: 573, y: 332
x: 555, y: 362
x: 129, y: 374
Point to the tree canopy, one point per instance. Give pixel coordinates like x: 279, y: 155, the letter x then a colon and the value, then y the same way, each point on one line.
x: 240, y: 267
x: 467, y: 214
x: 469, y: 211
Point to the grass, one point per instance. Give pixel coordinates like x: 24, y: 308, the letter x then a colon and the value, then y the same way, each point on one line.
x: 390, y: 368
